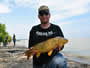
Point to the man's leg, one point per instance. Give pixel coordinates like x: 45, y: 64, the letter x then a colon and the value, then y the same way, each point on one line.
x: 57, y: 61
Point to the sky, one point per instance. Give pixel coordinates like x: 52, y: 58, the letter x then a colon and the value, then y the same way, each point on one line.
x: 73, y: 16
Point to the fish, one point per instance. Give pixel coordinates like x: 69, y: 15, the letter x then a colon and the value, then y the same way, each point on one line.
x: 46, y: 46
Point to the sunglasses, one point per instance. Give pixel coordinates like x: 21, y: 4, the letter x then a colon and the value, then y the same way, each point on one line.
x: 43, y: 12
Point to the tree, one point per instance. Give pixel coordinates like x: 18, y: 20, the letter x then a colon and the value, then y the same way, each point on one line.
x: 4, y: 34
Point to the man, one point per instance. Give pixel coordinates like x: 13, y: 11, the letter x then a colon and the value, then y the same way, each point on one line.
x: 42, y: 32
x: 14, y: 39
x: 6, y: 41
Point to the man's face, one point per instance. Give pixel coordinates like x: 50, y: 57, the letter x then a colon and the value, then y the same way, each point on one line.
x: 44, y: 17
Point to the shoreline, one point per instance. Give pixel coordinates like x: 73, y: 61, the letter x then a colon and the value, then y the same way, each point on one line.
x: 13, y: 57
x: 77, y: 58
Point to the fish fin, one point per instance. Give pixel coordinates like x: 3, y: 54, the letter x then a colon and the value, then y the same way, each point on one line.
x: 38, y: 54
x: 28, y: 53
x: 50, y: 52
x: 28, y: 57
x: 61, y: 45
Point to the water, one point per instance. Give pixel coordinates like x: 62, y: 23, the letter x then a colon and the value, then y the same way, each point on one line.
x: 78, y: 46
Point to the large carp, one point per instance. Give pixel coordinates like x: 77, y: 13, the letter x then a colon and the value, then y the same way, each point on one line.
x: 46, y: 46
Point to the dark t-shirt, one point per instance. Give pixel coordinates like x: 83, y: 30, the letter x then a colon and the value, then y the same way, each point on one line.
x: 37, y: 35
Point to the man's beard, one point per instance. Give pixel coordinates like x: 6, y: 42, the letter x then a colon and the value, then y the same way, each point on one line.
x: 44, y: 22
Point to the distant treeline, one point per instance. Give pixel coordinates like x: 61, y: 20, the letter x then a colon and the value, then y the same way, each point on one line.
x: 4, y: 34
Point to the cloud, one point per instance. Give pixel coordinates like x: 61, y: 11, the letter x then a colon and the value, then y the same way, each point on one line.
x: 26, y: 3
x: 67, y: 9
x: 60, y: 9
x: 4, y: 9
x: 5, y: 6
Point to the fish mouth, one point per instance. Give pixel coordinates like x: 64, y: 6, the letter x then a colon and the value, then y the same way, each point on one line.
x: 65, y: 41
x: 62, y: 40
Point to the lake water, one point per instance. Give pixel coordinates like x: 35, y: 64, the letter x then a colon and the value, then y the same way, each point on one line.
x: 79, y: 46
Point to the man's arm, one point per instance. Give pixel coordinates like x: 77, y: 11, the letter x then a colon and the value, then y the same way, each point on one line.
x: 30, y: 39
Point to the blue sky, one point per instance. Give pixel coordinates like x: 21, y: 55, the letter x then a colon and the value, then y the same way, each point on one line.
x: 73, y: 16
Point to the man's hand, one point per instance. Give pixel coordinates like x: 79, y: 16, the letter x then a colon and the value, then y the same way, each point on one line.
x: 57, y: 48
x: 34, y: 52
x: 31, y: 48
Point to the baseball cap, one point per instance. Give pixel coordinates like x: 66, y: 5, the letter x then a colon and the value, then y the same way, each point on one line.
x: 43, y: 7
x: 43, y: 10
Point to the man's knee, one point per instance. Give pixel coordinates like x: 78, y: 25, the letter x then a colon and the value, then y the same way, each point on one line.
x: 59, y: 61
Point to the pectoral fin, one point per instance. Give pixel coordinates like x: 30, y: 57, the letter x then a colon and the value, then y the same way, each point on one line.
x: 50, y: 52
x: 38, y: 54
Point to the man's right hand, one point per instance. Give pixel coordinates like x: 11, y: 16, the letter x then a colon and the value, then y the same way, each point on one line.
x: 34, y: 52
x: 57, y: 48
